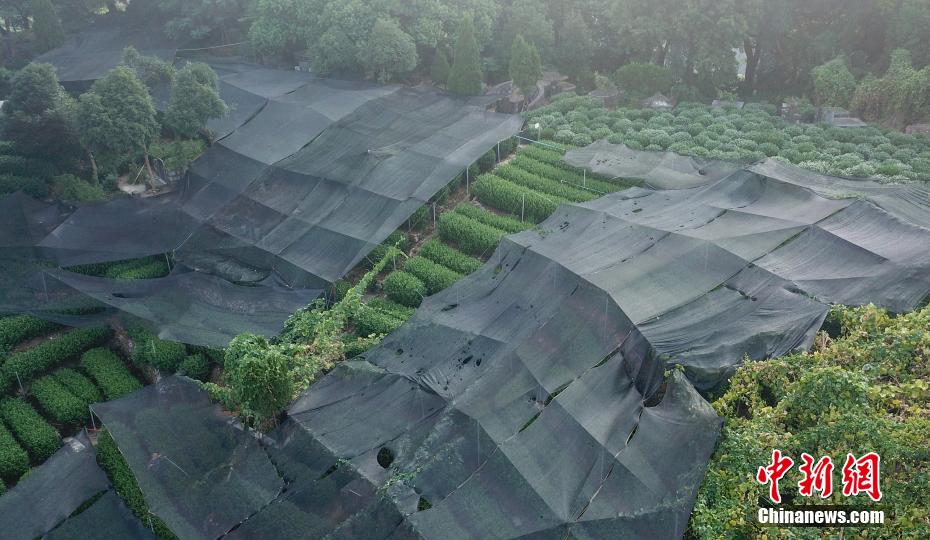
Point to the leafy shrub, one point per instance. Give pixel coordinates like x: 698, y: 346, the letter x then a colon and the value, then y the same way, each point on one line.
x: 19, y: 328
x: 435, y: 276
x: 29, y: 363
x: 14, y: 461
x: 404, y: 288
x: 58, y: 402
x: 150, y: 350
x: 36, y: 435
x: 516, y: 199
x: 487, y: 161
x: 453, y: 259
x: 108, y: 371
x: 195, y: 366
x: 124, y: 482
x: 564, y: 136
x: 380, y: 317
x: 471, y: 236
x: 396, y: 238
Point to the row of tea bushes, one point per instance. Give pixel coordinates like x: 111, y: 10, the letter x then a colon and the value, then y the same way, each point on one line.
x: 23, y: 366
x: 19, y: 328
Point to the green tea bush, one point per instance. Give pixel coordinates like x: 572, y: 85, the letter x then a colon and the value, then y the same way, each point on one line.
x: 542, y: 184
x: 14, y: 461
x: 113, y: 377
x: 509, y: 197
x: 36, y: 435
x: 471, y: 236
x: 380, y: 316
x: 18, y: 328
x: 404, y: 288
x: 27, y: 364
x: 396, y: 238
x: 505, y: 223
x: 60, y: 404
x: 148, y: 349
x: 435, y: 276
x: 34, y: 187
x: 453, y: 259
x: 79, y: 385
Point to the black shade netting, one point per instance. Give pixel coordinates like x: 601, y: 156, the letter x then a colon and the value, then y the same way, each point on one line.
x: 199, y: 473
x: 106, y: 518
x: 51, y: 492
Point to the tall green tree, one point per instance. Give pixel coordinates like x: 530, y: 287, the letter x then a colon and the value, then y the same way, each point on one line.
x: 439, y: 71
x: 116, y: 118
x: 465, y: 75
x: 391, y: 52
x: 834, y: 84
x: 525, y: 66
x: 573, y: 54
x: 195, y: 100
x: 151, y: 70
x: 38, y: 117
x: 525, y: 18
x: 46, y: 26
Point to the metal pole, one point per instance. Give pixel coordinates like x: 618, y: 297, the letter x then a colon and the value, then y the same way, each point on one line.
x: 522, y: 207
x: 498, y: 151
x: 20, y: 381
x: 92, y: 423
x: 584, y: 177
x: 434, y: 215
x: 466, y: 180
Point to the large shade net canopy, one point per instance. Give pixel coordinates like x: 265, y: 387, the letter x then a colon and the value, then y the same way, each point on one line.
x: 198, y: 473
x: 89, y: 54
x: 50, y: 493
x: 107, y: 517
x: 309, y: 176
x: 659, y: 170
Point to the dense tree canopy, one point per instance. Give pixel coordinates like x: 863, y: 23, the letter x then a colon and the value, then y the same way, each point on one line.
x: 525, y: 66
x: 46, y: 25
x: 195, y: 100
x: 465, y: 75
x: 390, y: 52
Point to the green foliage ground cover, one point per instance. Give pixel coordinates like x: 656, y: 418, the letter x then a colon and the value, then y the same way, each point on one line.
x: 32, y: 431
x: 740, y: 135
x: 108, y: 371
x: 18, y: 328
x: 24, y: 366
x: 868, y: 390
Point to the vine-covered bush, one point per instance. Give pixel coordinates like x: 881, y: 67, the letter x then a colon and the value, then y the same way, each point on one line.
x: 195, y: 366
x: 24, y: 366
x: 36, y: 435
x: 404, y: 288
x: 868, y: 390
x: 113, y: 377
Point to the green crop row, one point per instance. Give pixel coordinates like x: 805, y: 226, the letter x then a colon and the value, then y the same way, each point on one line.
x: 14, y: 461
x: 534, y: 166
x: 108, y: 371
x: 18, y: 328
x: 154, y: 269
x: 471, y: 236
x: 396, y: 238
x: 60, y: 404
x: 518, y: 200
x: 150, y: 350
x: 505, y: 223
x: 79, y: 385
x: 25, y: 365
x: 124, y: 482
x: 543, y: 184
x: 404, y: 288
x: 453, y: 259
x: 36, y: 435
x: 435, y: 276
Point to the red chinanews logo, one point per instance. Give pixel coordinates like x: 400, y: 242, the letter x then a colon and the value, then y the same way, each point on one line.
x: 860, y: 475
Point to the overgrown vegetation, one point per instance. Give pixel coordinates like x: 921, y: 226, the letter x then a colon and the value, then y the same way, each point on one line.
x: 867, y: 390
